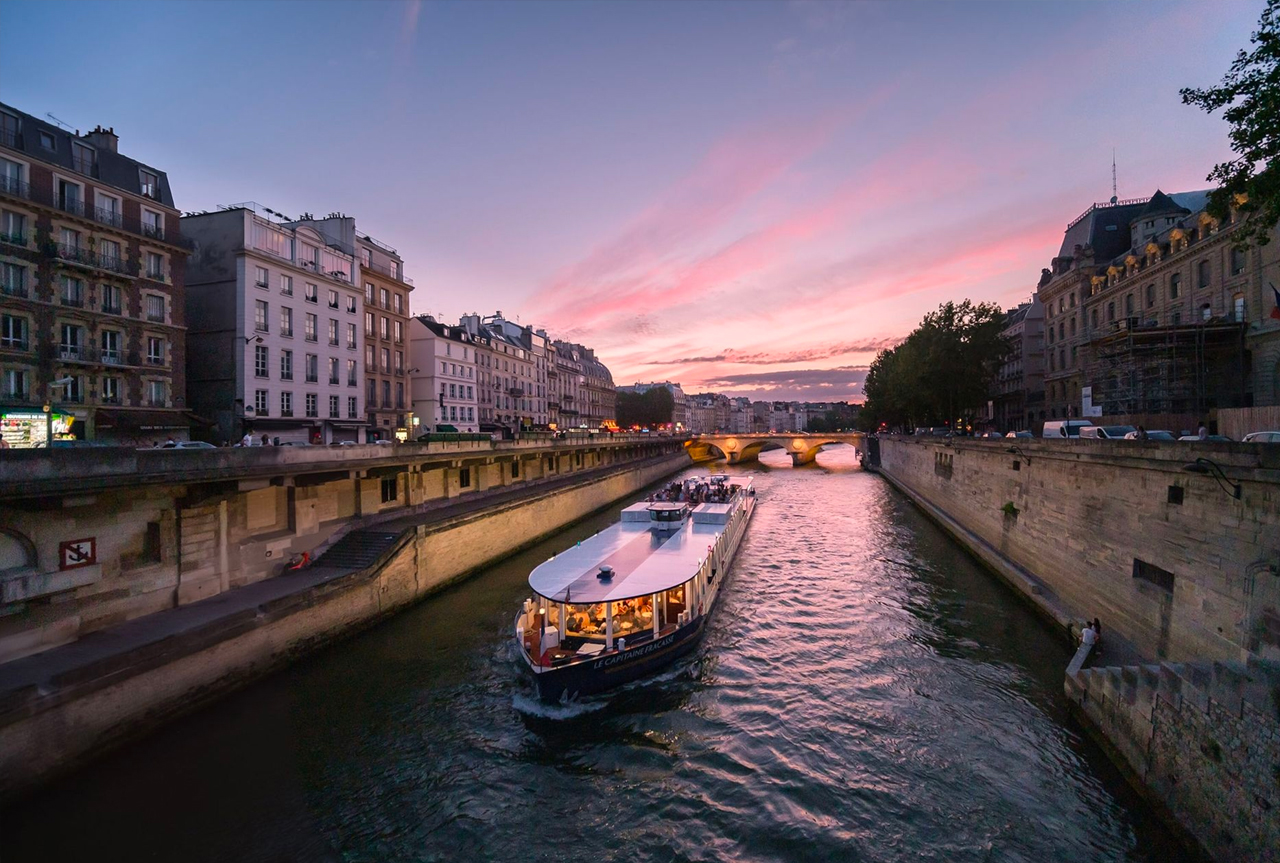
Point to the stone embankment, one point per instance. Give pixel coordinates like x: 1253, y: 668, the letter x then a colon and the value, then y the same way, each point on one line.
x: 1176, y: 547
x: 72, y: 702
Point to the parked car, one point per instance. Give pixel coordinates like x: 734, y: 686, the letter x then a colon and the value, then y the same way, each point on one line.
x: 1261, y: 437
x: 1020, y: 434
x: 1106, y: 432
x: 1153, y: 434
x: 189, y: 444
x: 1064, y: 428
x: 991, y: 434
x: 1216, y: 438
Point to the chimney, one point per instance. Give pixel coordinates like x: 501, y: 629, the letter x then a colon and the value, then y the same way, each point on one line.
x: 104, y: 139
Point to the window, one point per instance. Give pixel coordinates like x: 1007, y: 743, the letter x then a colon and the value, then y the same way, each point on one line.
x: 109, y: 254
x: 351, y: 335
x: 351, y: 305
x: 70, y: 240
x: 383, y: 298
x: 395, y: 269
x: 335, y: 411
x: 368, y: 292
x: 333, y: 332
x: 464, y: 477
x: 398, y: 304
x: 1204, y: 274
x: 386, y: 394
x: 399, y: 362
x: 263, y: 278
x: 13, y: 279
x: 155, y: 351
x: 1175, y: 285
x: 371, y: 393
x: 333, y: 371
x: 351, y: 407
x: 111, y: 391
x: 286, y: 365
x: 400, y: 395
x: 1206, y: 312
x: 311, y: 294
x: 1128, y: 305
x: 15, y: 384
x: 286, y: 321
x: 1176, y: 318
x: 286, y: 285
x: 1151, y: 295
x: 399, y: 330
x: 260, y: 361
x: 385, y: 328
x: 1237, y: 261
x: 155, y: 308
x: 157, y: 394
x: 286, y: 404
x: 333, y: 299
x: 150, y: 184
x: 366, y: 257
x: 1073, y: 332
x: 13, y: 332
x: 152, y: 224
x: 386, y: 360
x: 310, y: 331
x: 369, y: 362
x: 72, y: 292
x: 11, y: 178
x: 389, y: 488
x: 351, y: 373
x: 313, y: 368
x: 453, y: 391
x: 368, y: 323
x: 1111, y: 312
x: 312, y: 406
x: 111, y: 347
x: 155, y: 266
x: 1237, y: 308
x: 260, y: 316
x: 1153, y: 574
x: 13, y: 228
x: 9, y: 128
x: 47, y: 141
x: 260, y: 402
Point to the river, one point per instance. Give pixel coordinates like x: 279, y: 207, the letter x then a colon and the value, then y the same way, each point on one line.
x: 865, y: 692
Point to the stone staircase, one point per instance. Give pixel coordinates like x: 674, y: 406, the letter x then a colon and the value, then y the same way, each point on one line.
x: 358, y: 549
x: 1230, y: 684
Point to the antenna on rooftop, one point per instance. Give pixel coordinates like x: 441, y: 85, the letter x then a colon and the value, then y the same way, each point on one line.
x: 61, y: 125
x: 1115, y: 196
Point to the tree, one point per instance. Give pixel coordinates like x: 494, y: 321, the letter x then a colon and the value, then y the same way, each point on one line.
x: 1250, y: 93
x: 942, y: 373
x: 653, y: 407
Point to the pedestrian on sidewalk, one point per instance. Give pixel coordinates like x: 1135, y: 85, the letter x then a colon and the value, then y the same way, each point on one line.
x: 1088, y: 636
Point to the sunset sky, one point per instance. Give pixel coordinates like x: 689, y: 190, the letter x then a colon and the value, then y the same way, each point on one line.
x: 751, y: 198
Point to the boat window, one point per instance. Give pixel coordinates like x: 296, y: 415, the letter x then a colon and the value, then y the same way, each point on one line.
x: 585, y: 620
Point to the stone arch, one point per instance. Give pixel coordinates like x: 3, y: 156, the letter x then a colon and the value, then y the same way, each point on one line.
x: 16, y: 551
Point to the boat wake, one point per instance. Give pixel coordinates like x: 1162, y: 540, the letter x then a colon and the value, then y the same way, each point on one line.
x: 533, y: 706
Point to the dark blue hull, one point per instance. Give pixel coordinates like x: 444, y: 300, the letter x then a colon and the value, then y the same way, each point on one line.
x: 614, y: 669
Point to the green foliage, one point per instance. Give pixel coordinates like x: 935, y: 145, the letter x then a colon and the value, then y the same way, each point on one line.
x: 1009, y: 509
x: 652, y: 408
x: 942, y: 371
x: 1250, y: 94
x: 843, y: 416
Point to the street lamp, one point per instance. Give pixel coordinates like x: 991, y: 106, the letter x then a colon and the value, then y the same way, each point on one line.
x: 1018, y: 451
x: 1212, y: 468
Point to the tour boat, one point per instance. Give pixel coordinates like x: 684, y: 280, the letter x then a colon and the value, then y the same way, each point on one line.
x: 634, y: 597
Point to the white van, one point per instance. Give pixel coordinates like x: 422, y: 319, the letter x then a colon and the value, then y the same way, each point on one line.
x: 1106, y: 432
x: 1064, y: 428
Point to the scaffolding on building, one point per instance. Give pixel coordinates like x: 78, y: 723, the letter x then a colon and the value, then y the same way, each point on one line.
x: 1150, y: 370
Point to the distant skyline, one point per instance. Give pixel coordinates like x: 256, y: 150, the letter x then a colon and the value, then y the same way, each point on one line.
x: 747, y: 197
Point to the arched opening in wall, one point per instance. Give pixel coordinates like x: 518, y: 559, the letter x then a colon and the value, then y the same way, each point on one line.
x: 16, y: 552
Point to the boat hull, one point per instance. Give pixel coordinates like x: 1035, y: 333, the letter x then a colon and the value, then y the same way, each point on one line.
x: 614, y: 669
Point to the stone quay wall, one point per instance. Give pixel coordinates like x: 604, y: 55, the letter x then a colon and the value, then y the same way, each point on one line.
x: 65, y: 707
x: 1177, y: 567
x: 1119, y: 530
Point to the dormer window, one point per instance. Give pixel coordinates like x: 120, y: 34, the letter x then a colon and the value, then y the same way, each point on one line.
x: 150, y: 184
x: 47, y: 141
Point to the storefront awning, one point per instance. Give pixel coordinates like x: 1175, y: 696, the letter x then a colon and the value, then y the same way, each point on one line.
x: 145, y: 420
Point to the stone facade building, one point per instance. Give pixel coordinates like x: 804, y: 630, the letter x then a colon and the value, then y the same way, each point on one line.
x: 709, y: 412
x: 384, y: 323
x: 1151, y: 307
x: 1019, y: 397
x: 274, y: 342
x: 445, y: 378
x: 583, y: 388
x: 92, y: 281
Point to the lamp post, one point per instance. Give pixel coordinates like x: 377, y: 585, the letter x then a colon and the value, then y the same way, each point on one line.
x: 1212, y: 468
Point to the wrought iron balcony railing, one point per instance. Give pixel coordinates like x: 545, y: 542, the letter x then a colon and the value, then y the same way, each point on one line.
x: 16, y: 188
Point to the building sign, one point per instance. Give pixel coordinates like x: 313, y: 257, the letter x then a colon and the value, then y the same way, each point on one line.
x: 1087, y: 408
x: 75, y: 553
x: 25, y: 429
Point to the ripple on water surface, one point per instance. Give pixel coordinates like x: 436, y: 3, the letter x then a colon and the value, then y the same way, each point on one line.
x: 864, y: 693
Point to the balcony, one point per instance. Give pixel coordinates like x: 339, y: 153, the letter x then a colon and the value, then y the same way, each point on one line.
x: 112, y: 357
x: 516, y: 391
x: 18, y: 189
x: 74, y: 206
x: 287, y: 332
x: 85, y: 257
x: 73, y: 353
x: 112, y: 309
x: 75, y: 301
x: 155, y: 360
x: 14, y: 344
x: 18, y: 239
x: 389, y: 273
x: 14, y: 291
x: 109, y: 217
x: 333, y: 381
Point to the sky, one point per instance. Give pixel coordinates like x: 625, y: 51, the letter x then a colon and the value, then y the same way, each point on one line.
x: 752, y: 198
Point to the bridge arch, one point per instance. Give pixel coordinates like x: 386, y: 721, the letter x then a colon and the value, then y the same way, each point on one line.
x: 801, y: 446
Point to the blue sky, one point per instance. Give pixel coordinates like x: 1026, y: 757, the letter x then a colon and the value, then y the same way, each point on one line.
x: 747, y: 196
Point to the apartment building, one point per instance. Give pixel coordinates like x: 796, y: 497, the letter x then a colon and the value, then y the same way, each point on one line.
x: 92, y: 275
x: 275, y: 343
x: 1019, y: 397
x: 444, y: 380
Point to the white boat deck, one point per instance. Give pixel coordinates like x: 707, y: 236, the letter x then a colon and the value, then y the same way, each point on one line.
x: 644, y: 560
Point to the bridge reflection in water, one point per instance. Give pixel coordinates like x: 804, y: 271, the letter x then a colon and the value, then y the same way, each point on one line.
x: 803, y: 447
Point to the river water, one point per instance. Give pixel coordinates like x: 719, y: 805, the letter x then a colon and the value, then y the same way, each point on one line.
x: 865, y: 693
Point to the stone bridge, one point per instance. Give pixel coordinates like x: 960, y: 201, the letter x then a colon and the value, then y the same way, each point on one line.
x: 802, y: 446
